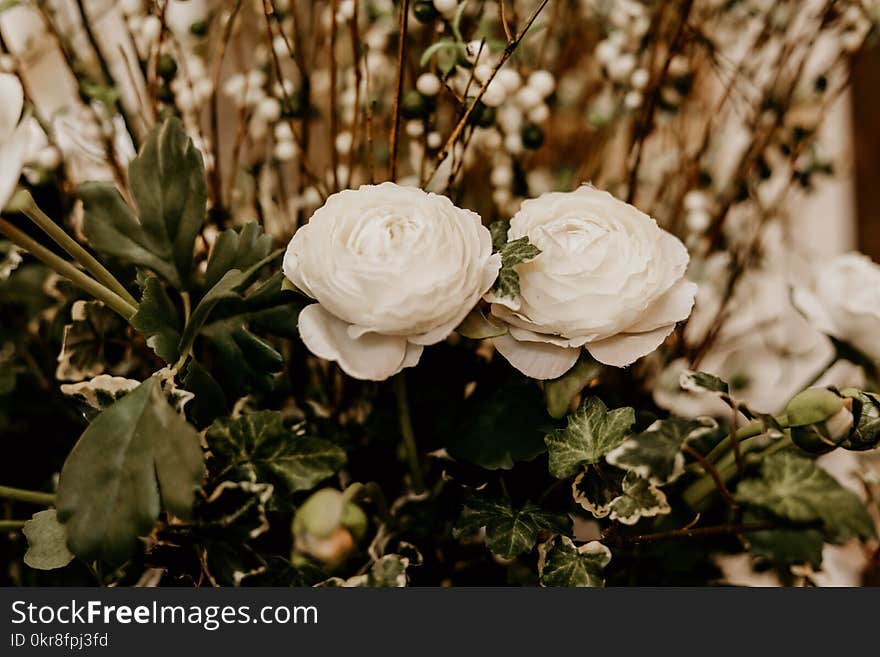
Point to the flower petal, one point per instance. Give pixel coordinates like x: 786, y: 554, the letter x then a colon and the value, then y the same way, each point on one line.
x: 811, y: 307
x: 371, y: 357
x: 13, y: 152
x: 625, y: 348
x: 13, y: 102
x: 670, y: 307
x: 538, y: 360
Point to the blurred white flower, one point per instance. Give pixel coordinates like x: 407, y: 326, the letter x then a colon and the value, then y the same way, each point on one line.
x: 843, y: 301
x: 393, y: 269
x: 608, y: 279
x: 14, y: 136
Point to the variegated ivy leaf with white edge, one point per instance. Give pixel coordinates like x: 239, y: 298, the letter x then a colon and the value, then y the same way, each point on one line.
x: 47, y: 542
x: 592, y: 432
x: 640, y: 499
x: 98, y: 393
x: 655, y: 454
x: 10, y: 259
x: 562, y: 564
x: 704, y: 382
x: 513, y: 253
x: 389, y: 571
x: 594, y: 493
x: 93, y: 343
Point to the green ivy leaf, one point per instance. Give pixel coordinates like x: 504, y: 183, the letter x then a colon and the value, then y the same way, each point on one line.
x: 594, y: 493
x: 800, y: 545
x: 503, y: 422
x: 703, y: 381
x: 509, y: 531
x: 136, y: 457
x: 47, y: 542
x: 237, y: 250
x: 640, y: 499
x: 167, y: 181
x: 258, y: 447
x: 158, y: 320
x: 561, y: 564
x: 389, y: 571
x: 795, y: 488
x: 94, y: 395
x: 93, y: 342
x: 592, y: 432
x: 655, y: 454
x: 560, y: 392
x: 513, y: 253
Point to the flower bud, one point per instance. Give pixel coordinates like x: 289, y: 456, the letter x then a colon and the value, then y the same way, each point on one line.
x: 866, y: 430
x: 820, y: 419
x: 327, y: 526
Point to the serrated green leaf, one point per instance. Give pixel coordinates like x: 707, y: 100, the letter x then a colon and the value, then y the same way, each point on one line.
x: 509, y: 531
x: 795, y: 488
x: 258, y: 446
x: 640, y: 499
x: 167, y: 181
x: 237, y: 250
x: 243, y: 361
x: 136, y: 457
x: 655, y: 454
x: 592, y: 432
x: 47, y: 542
x: 560, y: 392
x: 561, y: 564
x: 158, y: 320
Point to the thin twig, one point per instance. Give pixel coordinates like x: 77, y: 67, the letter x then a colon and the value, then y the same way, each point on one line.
x: 398, y: 91
x: 687, y: 532
x: 505, y: 55
x: 712, y: 472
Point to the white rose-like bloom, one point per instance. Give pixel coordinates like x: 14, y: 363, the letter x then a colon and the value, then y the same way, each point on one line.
x: 393, y: 269
x: 608, y: 279
x: 14, y: 136
x: 843, y: 301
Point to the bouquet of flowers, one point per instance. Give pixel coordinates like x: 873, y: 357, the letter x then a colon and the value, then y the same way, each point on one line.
x: 374, y: 292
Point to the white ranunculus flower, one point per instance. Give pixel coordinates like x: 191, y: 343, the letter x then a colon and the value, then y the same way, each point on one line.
x: 843, y: 301
x: 13, y: 136
x: 608, y: 279
x: 393, y: 269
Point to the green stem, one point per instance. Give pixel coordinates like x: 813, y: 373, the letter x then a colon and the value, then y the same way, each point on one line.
x: 726, y: 468
x: 11, y: 525
x: 743, y: 433
x: 29, y: 496
x: 409, y: 436
x: 68, y: 271
x: 30, y: 208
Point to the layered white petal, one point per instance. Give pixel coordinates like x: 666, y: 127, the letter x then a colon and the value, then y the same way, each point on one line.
x: 13, y: 152
x: 670, y: 308
x: 625, y: 348
x: 538, y: 360
x: 371, y: 357
x: 13, y: 102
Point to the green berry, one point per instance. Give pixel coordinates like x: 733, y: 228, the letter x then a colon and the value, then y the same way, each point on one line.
x: 414, y: 105
x: 532, y: 136
x: 425, y: 12
x: 167, y: 67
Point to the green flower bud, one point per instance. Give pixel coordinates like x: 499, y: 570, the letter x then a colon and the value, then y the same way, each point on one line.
x: 819, y: 419
x: 866, y: 410
x: 327, y: 526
